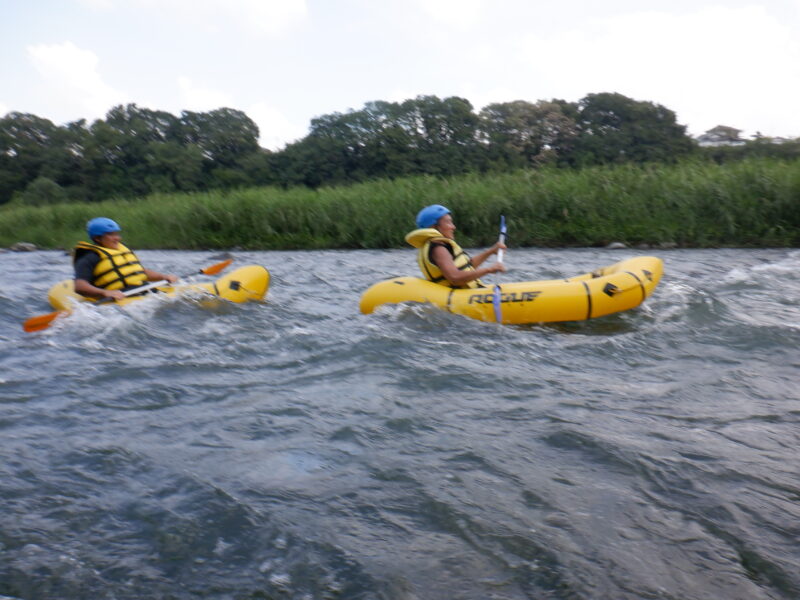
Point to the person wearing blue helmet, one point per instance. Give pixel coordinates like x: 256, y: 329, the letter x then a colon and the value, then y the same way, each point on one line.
x: 104, y: 267
x: 440, y: 258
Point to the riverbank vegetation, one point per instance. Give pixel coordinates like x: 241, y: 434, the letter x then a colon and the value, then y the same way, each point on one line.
x: 753, y: 202
x: 135, y: 152
x: 604, y: 169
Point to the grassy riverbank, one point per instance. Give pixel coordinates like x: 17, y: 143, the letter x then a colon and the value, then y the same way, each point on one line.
x: 749, y: 203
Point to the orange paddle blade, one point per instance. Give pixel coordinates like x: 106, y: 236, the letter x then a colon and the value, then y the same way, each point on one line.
x: 40, y: 322
x: 214, y: 269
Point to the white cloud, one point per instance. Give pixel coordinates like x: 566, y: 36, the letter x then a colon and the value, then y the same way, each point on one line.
x: 272, y: 17
x: 4, y: 110
x: 710, y: 66
x: 201, y: 99
x: 458, y: 14
x: 72, y: 74
x: 275, y: 130
x: 399, y: 95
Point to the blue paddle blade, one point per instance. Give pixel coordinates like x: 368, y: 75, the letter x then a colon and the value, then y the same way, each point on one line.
x: 502, y: 227
x: 498, y: 313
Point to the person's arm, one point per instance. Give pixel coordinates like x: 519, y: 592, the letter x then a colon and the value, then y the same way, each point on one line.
x: 84, y: 270
x: 479, y: 259
x: 155, y: 276
x: 441, y: 256
x: 84, y: 288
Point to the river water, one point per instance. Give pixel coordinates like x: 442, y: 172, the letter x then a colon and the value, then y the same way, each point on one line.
x: 298, y: 449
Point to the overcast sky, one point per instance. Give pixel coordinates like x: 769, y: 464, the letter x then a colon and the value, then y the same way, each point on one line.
x: 284, y: 62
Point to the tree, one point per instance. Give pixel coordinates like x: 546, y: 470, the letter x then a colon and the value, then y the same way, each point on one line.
x: 444, y: 134
x: 338, y: 142
x: 520, y: 133
x: 137, y: 151
x: 114, y: 163
x: 172, y: 166
x: 313, y: 161
x: 42, y: 191
x: 385, y: 139
x: 260, y: 168
x: 65, y: 160
x: 358, y: 145
x: 140, y: 147
x: 225, y: 136
x: 142, y: 124
x: 614, y: 129
x: 24, y: 143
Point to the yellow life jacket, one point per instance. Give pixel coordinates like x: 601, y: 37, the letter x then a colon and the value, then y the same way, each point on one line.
x: 422, y: 239
x: 118, y: 269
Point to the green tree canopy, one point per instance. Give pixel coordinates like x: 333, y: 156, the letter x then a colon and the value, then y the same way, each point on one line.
x: 134, y: 151
x: 25, y: 141
x: 42, y: 191
x: 225, y: 136
x: 615, y: 129
x: 526, y: 134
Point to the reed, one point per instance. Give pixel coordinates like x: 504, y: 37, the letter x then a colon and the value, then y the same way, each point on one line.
x: 752, y: 203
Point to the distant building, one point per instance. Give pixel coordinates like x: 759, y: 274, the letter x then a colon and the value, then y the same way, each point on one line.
x: 721, y: 135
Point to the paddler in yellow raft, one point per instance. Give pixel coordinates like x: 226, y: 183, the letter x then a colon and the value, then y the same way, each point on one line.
x: 105, y: 267
x: 441, y: 259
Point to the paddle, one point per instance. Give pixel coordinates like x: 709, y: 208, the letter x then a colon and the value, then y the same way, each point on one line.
x: 40, y: 322
x: 498, y: 313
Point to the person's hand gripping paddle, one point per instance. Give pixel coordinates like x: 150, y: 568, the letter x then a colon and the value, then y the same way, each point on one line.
x: 498, y: 313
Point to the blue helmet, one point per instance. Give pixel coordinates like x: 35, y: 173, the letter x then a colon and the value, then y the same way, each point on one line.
x: 100, y: 226
x: 430, y: 215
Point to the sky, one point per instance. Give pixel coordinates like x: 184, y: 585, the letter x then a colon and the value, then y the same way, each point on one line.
x: 285, y: 62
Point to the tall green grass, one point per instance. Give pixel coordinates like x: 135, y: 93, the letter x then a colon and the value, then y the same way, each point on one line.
x: 694, y: 204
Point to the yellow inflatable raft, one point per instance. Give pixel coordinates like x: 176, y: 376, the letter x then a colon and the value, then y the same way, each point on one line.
x: 618, y: 287
x: 242, y: 285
